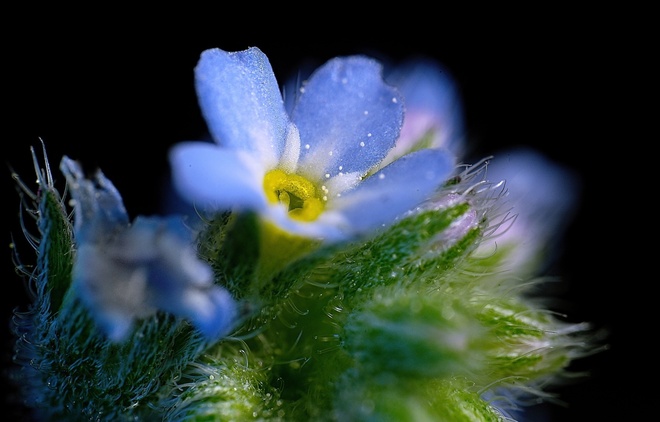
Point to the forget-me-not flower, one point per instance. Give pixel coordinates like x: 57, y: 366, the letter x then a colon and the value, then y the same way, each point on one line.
x: 124, y: 271
x: 541, y: 196
x: 305, y: 171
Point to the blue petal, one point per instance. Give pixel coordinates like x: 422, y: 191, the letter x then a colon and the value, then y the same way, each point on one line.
x: 178, y: 281
x: 241, y: 102
x: 432, y: 101
x: 543, y: 194
x: 98, y: 205
x: 114, y: 292
x: 347, y: 116
x: 216, y: 178
x: 330, y: 226
x: 395, y: 189
x: 213, y: 311
x: 149, y: 266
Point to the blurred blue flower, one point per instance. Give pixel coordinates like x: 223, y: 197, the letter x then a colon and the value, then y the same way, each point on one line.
x: 433, y: 108
x: 541, y: 197
x: 125, y: 271
x: 310, y: 172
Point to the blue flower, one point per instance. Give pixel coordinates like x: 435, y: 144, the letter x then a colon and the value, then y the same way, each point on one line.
x: 434, y: 110
x: 540, y: 196
x: 125, y: 271
x: 310, y: 172
x: 535, y: 196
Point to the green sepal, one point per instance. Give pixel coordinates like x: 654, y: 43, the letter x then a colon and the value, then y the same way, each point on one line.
x: 397, y: 255
x: 55, y: 254
x: 300, y: 329
x: 458, y: 399
x: 225, y: 383
x: 525, y: 343
x: 229, y: 242
x: 451, y: 399
x: 117, y: 381
x: 408, y: 334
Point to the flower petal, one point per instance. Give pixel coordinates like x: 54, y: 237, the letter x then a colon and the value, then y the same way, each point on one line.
x: 114, y: 294
x: 291, y: 153
x: 179, y: 282
x: 241, y: 102
x: 216, y: 178
x: 330, y: 226
x: 99, y: 206
x: 347, y: 116
x: 342, y: 182
x: 433, y: 104
x: 213, y: 311
x: 544, y: 197
x: 395, y: 189
x: 149, y: 266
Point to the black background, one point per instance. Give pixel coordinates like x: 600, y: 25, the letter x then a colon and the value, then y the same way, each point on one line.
x: 115, y: 92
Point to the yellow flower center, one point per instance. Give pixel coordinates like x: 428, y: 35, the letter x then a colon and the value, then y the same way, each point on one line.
x: 296, y: 192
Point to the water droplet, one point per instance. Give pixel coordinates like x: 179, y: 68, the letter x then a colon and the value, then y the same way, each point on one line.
x: 52, y: 382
